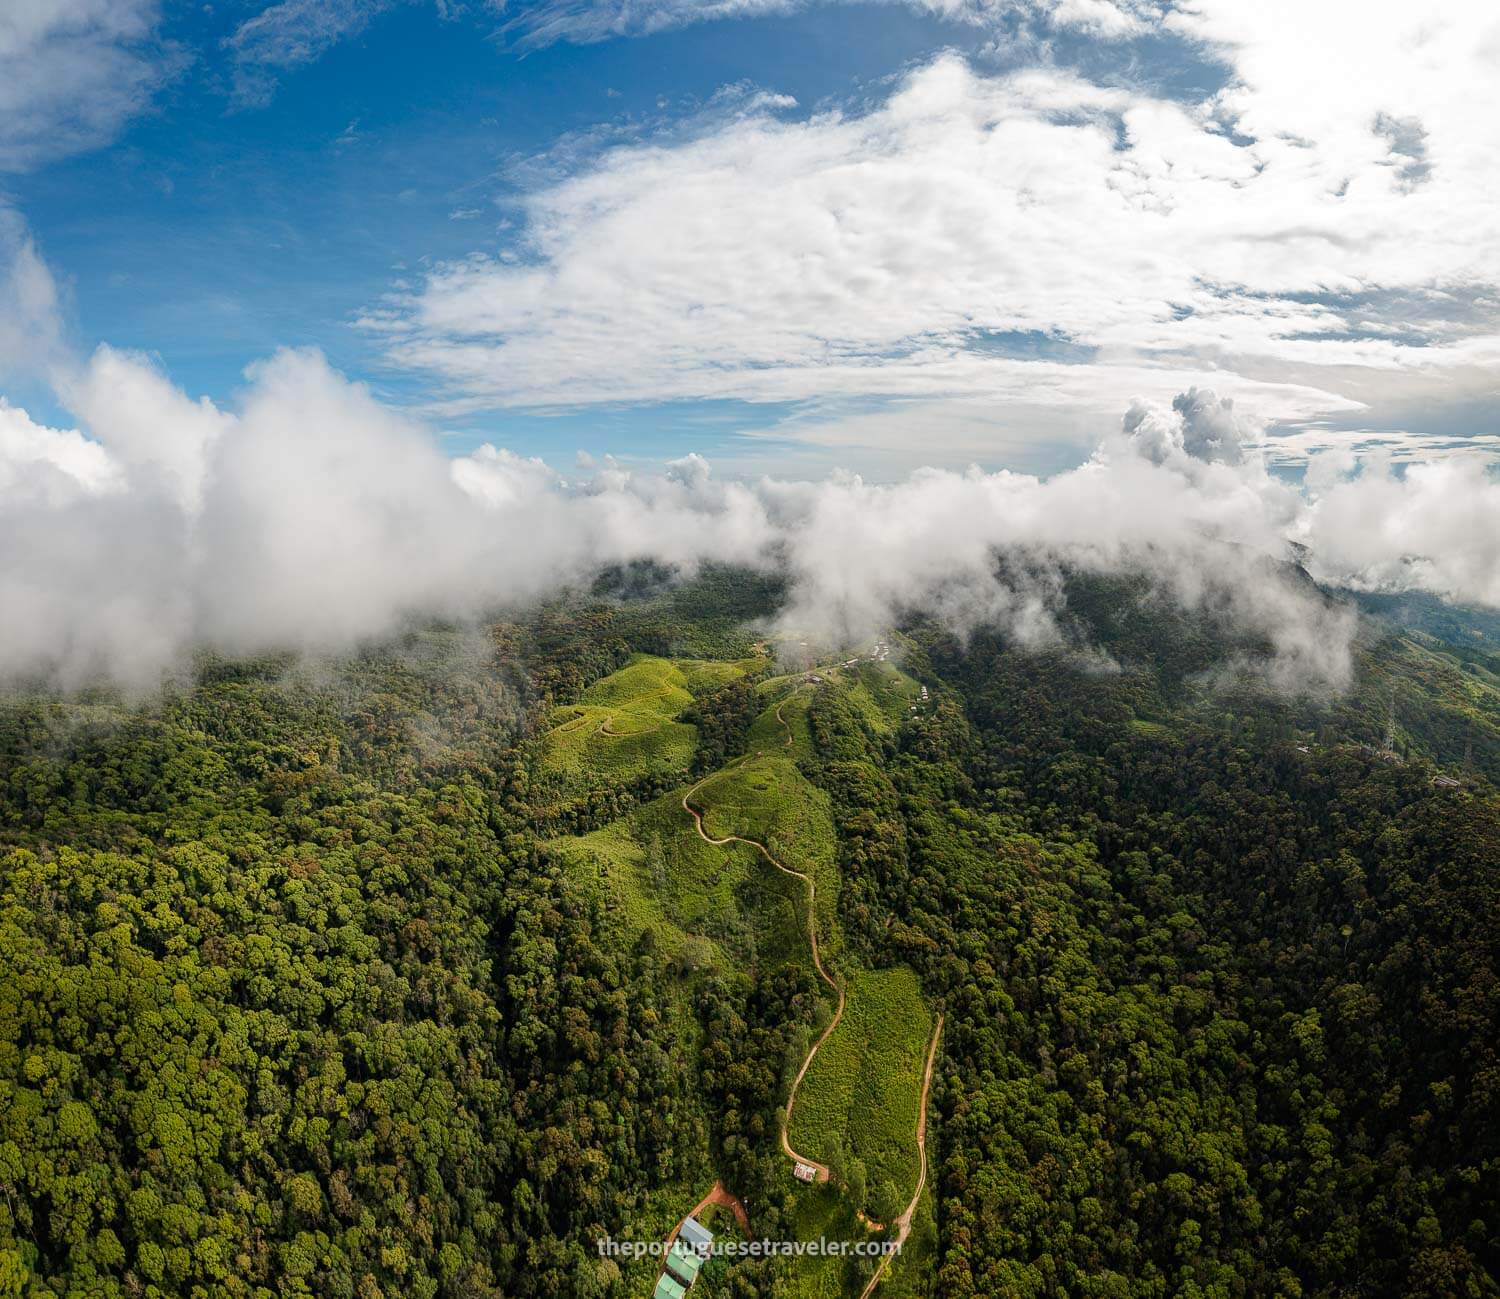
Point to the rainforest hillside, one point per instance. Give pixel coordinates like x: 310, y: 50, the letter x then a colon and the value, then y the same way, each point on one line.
x: 420, y: 972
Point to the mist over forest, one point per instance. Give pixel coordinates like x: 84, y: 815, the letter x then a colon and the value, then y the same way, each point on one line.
x: 749, y: 649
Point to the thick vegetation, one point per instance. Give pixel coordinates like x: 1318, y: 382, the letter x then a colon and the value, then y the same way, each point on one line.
x: 411, y: 976
x: 288, y: 1006
x: 1222, y: 1005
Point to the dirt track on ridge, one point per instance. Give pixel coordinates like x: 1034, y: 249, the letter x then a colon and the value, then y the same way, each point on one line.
x: 903, y: 1223
x: 812, y: 934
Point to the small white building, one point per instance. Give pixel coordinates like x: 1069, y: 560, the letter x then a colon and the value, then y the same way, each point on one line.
x: 804, y: 1172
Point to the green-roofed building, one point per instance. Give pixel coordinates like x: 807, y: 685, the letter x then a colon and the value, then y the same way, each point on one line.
x: 669, y: 1288
x: 684, y: 1262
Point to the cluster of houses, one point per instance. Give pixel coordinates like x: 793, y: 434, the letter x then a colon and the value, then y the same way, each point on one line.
x: 880, y: 654
x: 684, y: 1261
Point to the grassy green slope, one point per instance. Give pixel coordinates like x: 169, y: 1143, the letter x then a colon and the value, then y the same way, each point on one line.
x: 704, y: 675
x: 724, y: 906
x: 782, y: 726
x: 1445, y: 707
x: 764, y: 797
x: 864, y: 1086
x: 882, y: 694
x: 622, y: 728
x: 704, y: 904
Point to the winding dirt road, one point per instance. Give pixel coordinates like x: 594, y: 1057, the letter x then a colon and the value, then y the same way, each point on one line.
x: 812, y: 934
x: 903, y: 1223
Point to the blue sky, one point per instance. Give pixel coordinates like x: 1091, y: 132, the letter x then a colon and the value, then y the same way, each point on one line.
x: 369, y: 178
x: 210, y: 232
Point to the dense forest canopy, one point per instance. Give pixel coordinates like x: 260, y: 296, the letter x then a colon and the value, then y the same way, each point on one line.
x: 389, y: 976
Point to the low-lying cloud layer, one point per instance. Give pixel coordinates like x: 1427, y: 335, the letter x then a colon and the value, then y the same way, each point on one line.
x: 312, y: 517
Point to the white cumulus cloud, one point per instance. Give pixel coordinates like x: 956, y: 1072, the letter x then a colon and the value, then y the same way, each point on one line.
x: 1324, y: 223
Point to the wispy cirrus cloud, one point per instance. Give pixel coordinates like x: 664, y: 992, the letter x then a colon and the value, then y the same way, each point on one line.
x: 289, y: 34
x: 292, y: 33
x: 589, y: 21
x: 545, y: 22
